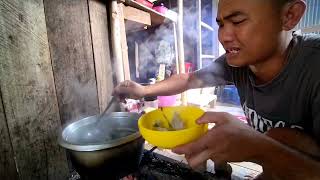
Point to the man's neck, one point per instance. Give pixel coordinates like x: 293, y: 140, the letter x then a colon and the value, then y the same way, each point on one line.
x: 267, y: 70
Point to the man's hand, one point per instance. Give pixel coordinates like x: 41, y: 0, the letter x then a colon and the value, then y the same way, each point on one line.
x: 129, y: 89
x: 281, y: 152
x: 229, y: 140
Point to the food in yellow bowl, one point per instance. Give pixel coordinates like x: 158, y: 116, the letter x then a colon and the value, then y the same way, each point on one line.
x: 175, y: 124
x: 171, y: 126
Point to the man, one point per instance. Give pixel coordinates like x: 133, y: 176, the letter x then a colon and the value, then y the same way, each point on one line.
x: 277, y: 77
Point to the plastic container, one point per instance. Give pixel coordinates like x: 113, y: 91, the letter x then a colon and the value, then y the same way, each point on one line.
x: 165, y: 101
x: 145, y: 3
x: 150, y: 102
x: 171, y: 139
x: 161, y: 9
x: 230, y: 95
x: 188, y: 67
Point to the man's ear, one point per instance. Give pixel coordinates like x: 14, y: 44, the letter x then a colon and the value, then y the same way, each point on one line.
x: 292, y: 14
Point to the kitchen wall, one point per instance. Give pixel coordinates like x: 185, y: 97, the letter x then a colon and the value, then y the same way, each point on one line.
x: 55, y: 66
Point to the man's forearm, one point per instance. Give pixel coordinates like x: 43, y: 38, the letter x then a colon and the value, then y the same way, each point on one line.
x: 174, y: 85
x: 282, y: 162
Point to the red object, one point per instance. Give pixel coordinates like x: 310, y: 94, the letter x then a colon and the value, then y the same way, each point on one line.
x: 145, y: 3
x: 188, y: 67
x: 161, y: 9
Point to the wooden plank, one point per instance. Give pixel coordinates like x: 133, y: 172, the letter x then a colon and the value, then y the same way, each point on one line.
x: 7, y: 165
x: 124, y: 45
x: 203, y: 24
x: 116, y: 41
x: 136, y: 59
x: 199, y: 37
x: 181, y: 46
x: 156, y: 17
x: 176, y: 46
x: 28, y: 92
x: 72, y: 58
x: 101, y: 50
x: 136, y: 15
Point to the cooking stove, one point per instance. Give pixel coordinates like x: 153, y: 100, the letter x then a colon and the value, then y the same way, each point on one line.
x: 154, y: 166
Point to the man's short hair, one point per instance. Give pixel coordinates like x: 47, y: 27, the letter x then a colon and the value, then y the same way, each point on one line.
x: 283, y: 2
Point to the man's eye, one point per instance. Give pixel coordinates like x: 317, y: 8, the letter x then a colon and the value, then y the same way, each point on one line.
x: 238, y: 22
x: 220, y: 24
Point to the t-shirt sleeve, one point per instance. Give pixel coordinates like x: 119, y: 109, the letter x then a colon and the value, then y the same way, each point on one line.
x: 217, y: 73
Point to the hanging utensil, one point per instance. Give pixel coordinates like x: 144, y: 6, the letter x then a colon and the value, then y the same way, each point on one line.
x: 105, y: 110
x: 166, y: 119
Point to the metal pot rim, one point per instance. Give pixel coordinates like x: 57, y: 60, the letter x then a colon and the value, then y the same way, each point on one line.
x: 95, y: 147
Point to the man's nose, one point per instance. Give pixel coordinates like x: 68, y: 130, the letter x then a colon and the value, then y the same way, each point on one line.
x: 226, y: 35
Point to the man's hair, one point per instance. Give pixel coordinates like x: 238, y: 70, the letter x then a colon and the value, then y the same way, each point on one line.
x: 282, y: 2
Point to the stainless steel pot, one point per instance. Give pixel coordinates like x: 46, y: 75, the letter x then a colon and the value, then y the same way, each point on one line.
x: 109, y: 149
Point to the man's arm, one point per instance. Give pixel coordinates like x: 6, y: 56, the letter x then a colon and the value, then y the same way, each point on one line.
x: 217, y: 73
x: 173, y: 85
x: 298, y: 155
x: 233, y: 141
x: 289, y: 154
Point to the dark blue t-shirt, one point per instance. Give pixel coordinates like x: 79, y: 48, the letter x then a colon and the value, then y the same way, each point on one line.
x: 291, y: 99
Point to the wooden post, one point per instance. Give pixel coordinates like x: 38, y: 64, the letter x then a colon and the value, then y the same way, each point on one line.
x: 199, y: 42
x: 101, y: 50
x: 116, y: 41
x: 124, y: 45
x: 176, y: 47
x: 28, y: 92
x: 8, y: 169
x: 137, y: 58
x: 181, y: 46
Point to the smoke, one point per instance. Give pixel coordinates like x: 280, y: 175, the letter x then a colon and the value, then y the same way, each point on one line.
x: 157, y: 44
x: 78, y: 99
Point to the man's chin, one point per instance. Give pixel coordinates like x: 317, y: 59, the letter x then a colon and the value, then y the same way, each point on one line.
x: 236, y: 62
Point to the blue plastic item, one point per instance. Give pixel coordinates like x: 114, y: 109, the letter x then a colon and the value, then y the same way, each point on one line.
x: 230, y: 95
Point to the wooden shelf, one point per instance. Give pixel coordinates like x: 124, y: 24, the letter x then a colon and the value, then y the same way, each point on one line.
x: 203, y: 24
x: 156, y: 17
x: 136, y: 19
x: 137, y: 15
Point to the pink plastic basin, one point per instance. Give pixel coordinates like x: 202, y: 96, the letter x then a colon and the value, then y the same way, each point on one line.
x: 145, y: 3
x: 165, y: 101
x: 160, y: 9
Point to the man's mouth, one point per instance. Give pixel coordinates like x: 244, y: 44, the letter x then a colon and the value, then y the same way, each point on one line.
x: 232, y: 51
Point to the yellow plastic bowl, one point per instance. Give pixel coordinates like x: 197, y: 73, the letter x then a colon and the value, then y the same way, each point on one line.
x: 171, y: 139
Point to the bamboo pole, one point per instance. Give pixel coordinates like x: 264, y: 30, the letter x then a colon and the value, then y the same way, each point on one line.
x: 124, y: 45
x: 180, y: 46
x: 199, y: 51
x: 136, y: 57
x: 176, y: 47
x: 116, y: 41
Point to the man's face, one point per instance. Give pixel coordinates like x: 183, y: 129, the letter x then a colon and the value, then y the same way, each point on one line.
x: 249, y: 30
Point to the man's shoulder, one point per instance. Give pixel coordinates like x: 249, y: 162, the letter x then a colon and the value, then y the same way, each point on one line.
x: 307, y: 49
x: 310, y: 41
x: 308, y: 56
